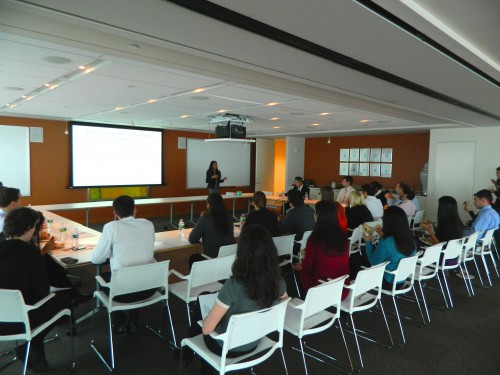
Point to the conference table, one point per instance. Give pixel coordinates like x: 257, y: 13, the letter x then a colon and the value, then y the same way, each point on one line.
x: 87, y: 206
x: 283, y: 199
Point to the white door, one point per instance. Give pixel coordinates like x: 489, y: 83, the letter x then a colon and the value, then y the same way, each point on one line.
x: 264, y: 165
x: 455, y: 173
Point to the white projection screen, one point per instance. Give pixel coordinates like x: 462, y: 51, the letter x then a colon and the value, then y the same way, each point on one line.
x: 233, y: 160
x: 115, y: 156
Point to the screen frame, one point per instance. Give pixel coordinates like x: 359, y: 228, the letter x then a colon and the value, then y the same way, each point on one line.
x: 112, y: 126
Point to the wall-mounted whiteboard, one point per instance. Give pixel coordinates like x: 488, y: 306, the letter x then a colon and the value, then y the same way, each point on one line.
x: 233, y: 160
x: 15, y: 158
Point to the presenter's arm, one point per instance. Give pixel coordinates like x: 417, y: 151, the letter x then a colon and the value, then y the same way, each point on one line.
x: 102, y: 250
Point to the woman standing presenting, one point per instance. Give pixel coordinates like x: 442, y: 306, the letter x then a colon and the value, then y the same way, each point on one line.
x: 214, y: 178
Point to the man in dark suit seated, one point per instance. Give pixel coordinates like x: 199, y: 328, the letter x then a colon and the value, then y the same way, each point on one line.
x: 300, y: 186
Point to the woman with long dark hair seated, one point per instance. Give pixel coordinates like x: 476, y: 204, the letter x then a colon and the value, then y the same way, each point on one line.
x: 328, y: 196
x: 396, y: 242
x: 327, y: 252
x: 22, y: 268
x: 214, y: 228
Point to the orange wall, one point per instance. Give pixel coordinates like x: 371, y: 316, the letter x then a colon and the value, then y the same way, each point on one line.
x: 279, y: 165
x: 50, y: 173
x: 409, y: 153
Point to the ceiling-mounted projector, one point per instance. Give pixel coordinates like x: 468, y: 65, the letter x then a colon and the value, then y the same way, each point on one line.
x: 229, y: 127
x: 229, y: 117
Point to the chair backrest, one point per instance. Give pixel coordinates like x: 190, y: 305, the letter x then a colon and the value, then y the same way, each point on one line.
x: 305, y: 237
x: 138, y: 278
x: 417, y: 218
x: 284, y: 244
x: 487, y: 238
x: 14, y: 310
x: 431, y: 256
x: 227, y: 250
x: 355, y: 240
x: 368, y: 279
x: 249, y: 327
x: 453, y: 250
x: 406, y: 270
x: 323, y: 296
x: 209, y: 271
x: 469, y: 244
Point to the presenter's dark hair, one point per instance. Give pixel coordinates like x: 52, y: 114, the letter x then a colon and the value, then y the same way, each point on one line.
x: 327, y: 194
x: 8, y: 195
x: 369, y: 188
x: 217, y: 210
x: 395, y: 224
x: 211, y: 166
x: 295, y: 197
x: 19, y: 220
x: 484, y: 193
x: 256, y: 265
x: 327, y: 233
x: 124, y: 206
x: 348, y: 179
x: 259, y: 199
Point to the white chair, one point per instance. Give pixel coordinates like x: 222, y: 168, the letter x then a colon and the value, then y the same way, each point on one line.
x: 427, y: 268
x: 453, y: 251
x: 303, y: 241
x: 129, y: 280
x: 355, y: 240
x: 284, y: 245
x: 244, y: 329
x: 404, y: 277
x: 14, y: 310
x: 364, y: 293
x: 204, y: 277
x: 309, y: 316
x: 416, y: 222
x: 468, y: 255
x: 485, y: 248
x: 224, y: 251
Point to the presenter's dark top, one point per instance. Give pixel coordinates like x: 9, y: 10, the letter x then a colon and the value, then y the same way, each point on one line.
x: 213, y: 183
x: 266, y: 218
x: 212, y: 240
x: 22, y: 268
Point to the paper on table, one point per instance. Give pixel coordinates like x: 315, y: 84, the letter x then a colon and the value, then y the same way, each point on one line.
x: 85, y: 235
x: 206, y: 301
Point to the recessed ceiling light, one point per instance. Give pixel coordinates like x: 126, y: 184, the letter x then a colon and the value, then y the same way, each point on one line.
x: 200, y: 97
x: 276, y: 127
x: 222, y: 110
x: 198, y: 90
x: 274, y: 118
x: 325, y: 113
x: 13, y: 88
x: 46, y: 84
x: 82, y: 67
x: 184, y: 116
x: 151, y: 100
x: 118, y: 108
x: 364, y: 121
x: 271, y: 104
x: 315, y: 124
x: 133, y: 46
x: 57, y: 59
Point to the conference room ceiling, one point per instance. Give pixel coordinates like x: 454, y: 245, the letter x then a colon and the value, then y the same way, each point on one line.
x: 153, y: 55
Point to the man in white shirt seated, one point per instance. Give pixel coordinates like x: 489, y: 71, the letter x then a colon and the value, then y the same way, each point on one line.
x: 346, y: 190
x: 406, y: 195
x: 127, y: 242
x: 374, y: 204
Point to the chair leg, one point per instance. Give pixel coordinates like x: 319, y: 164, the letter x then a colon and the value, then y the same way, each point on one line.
x: 25, y: 364
x: 295, y: 280
x: 486, y: 269
x: 112, y: 352
x: 171, y: 323
x: 188, y: 313
x: 442, y: 290
x: 357, y: 342
x: 418, y: 305
x: 425, y: 302
x: 284, y: 362
x: 469, y: 279
x: 386, y: 322
x: 346, y: 347
x: 447, y: 288
x: 399, y: 319
x: 465, y: 281
x: 494, y: 264
x: 303, y: 356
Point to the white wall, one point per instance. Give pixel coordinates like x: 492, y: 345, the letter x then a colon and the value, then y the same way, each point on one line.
x: 486, y: 160
x: 294, y: 159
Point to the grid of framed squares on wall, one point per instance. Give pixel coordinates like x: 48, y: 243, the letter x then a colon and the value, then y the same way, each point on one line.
x: 375, y: 162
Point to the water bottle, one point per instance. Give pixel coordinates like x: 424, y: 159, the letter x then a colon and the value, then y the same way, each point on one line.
x: 50, y: 226
x: 181, y: 228
x: 62, y: 232
x: 76, y: 237
x: 243, y: 218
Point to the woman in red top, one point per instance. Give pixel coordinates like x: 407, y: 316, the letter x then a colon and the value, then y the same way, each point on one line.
x: 326, y: 254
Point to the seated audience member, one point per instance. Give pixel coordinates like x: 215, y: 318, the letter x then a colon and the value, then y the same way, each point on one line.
x: 373, y: 204
x: 9, y: 198
x: 327, y: 195
x: 214, y: 228
x: 357, y: 213
x: 261, y: 215
x: 255, y: 284
x: 395, y: 202
x: 406, y: 196
x: 22, y: 268
x: 299, y: 218
x: 449, y: 225
x: 327, y: 250
x: 396, y: 242
x: 487, y: 218
x: 127, y: 241
x: 496, y: 190
x: 346, y: 190
x: 301, y: 187
x: 379, y: 193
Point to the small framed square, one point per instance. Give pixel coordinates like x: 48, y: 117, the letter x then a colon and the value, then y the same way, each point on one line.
x: 364, y: 154
x: 386, y: 155
x: 374, y: 169
x: 386, y: 170
x: 353, y: 169
x: 375, y: 155
x: 364, y: 169
x: 354, y: 154
x: 344, y: 169
x: 344, y: 154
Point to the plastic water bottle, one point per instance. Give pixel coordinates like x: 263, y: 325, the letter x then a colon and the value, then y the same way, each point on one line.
x: 76, y: 237
x: 181, y: 228
x: 243, y: 218
x: 50, y: 226
x: 62, y: 232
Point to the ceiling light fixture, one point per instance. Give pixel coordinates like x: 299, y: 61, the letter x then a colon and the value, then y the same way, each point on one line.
x: 325, y: 113
x: 364, y: 121
x: 274, y: 118
x: 66, y: 131
x: 198, y: 90
x: 272, y: 104
x: 184, y: 116
x: 330, y: 121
